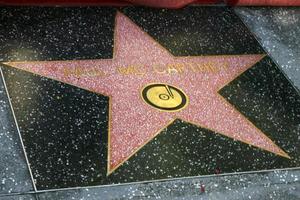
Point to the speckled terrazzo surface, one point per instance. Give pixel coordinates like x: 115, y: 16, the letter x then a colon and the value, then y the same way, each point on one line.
x: 74, y: 104
x: 12, y: 155
x: 278, y: 30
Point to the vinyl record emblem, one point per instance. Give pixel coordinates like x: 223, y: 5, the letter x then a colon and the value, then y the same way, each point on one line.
x: 164, y: 97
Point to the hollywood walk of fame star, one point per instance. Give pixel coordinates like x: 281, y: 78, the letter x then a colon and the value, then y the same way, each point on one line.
x: 133, y: 121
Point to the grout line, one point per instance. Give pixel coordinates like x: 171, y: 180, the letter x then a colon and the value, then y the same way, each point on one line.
x: 36, y: 196
x: 171, y: 179
x: 18, y: 129
x: 158, y: 181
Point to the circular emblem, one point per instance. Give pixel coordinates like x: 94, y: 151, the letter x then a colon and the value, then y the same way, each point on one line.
x: 164, y: 97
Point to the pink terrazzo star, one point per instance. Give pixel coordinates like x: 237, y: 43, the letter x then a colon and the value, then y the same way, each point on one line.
x: 133, y: 123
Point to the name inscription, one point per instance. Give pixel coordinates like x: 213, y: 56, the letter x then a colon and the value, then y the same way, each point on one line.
x: 137, y: 70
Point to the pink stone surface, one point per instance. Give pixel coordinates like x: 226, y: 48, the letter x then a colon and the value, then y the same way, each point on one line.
x: 133, y: 123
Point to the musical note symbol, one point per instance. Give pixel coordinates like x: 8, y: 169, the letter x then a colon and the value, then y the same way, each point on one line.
x: 169, y: 91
